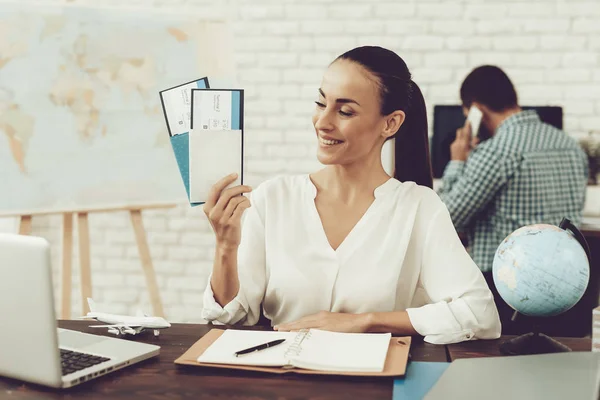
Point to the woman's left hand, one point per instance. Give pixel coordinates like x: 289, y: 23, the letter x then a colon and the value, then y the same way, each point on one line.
x: 328, y: 321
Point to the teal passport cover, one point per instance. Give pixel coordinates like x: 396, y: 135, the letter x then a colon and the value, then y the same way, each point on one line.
x: 419, y: 379
x: 181, y: 146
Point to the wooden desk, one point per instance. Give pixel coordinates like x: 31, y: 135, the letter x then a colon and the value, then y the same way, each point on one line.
x: 160, y: 378
x: 490, y: 348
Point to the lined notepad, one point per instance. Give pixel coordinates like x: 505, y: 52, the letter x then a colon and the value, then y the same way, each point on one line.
x: 313, y: 349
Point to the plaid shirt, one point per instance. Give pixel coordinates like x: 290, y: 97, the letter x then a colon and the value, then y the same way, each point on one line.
x: 528, y: 173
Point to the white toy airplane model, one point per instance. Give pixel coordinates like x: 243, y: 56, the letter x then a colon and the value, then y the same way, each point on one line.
x: 122, y: 324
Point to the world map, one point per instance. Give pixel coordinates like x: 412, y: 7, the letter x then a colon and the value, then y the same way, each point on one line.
x: 80, y: 118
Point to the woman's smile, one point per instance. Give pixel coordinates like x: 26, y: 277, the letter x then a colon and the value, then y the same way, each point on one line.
x: 325, y: 141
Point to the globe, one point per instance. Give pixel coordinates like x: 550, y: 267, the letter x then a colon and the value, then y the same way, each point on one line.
x: 542, y: 270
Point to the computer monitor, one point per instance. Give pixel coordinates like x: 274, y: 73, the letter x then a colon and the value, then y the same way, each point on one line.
x: 448, y: 118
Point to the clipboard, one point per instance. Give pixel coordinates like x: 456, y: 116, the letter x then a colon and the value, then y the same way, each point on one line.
x: 180, y: 141
x: 395, y: 361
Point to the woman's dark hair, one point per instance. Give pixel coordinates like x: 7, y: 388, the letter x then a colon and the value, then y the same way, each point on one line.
x: 399, y: 92
x: 490, y: 86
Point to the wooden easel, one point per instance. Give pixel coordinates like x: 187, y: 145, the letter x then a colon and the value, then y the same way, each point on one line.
x: 135, y: 213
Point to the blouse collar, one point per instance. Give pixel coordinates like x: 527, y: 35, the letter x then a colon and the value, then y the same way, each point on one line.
x: 387, y: 187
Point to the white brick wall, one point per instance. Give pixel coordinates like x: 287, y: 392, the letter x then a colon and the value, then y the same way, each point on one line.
x: 549, y: 48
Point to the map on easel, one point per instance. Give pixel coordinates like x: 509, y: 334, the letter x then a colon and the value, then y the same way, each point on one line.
x: 80, y: 123
x: 81, y: 128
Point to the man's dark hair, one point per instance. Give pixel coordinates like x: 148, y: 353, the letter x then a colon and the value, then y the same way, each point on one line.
x: 490, y: 86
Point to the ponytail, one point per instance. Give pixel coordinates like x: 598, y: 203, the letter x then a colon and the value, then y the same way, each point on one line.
x: 399, y: 92
x: 411, y: 149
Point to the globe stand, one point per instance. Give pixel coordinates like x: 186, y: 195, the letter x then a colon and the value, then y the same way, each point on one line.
x: 531, y: 343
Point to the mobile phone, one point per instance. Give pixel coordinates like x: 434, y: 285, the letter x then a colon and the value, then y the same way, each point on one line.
x: 474, y: 117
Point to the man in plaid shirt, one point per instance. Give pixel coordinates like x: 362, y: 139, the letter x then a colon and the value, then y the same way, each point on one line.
x: 528, y: 172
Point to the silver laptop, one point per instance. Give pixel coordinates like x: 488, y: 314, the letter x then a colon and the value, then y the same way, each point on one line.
x: 32, y: 349
x: 560, y: 376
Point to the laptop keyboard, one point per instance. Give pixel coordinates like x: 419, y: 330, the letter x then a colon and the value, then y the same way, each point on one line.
x: 73, y: 361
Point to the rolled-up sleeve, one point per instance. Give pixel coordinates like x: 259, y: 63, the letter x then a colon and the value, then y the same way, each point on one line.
x: 245, y: 307
x: 461, y: 305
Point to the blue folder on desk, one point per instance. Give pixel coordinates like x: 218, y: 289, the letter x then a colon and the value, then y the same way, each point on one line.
x: 181, y: 141
x: 419, y: 379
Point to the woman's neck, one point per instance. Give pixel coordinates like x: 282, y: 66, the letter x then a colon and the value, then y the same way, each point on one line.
x: 348, y: 183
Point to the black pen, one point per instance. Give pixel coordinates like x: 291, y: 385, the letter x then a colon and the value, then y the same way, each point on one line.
x: 259, y: 347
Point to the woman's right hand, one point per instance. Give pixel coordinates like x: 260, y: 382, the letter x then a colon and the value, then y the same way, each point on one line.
x: 224, y: 209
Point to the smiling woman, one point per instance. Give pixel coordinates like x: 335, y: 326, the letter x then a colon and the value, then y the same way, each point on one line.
x: 350, y: 248
x: 382, y: 93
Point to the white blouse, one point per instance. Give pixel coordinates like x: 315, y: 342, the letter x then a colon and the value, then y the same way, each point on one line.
x: 403, y: 254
